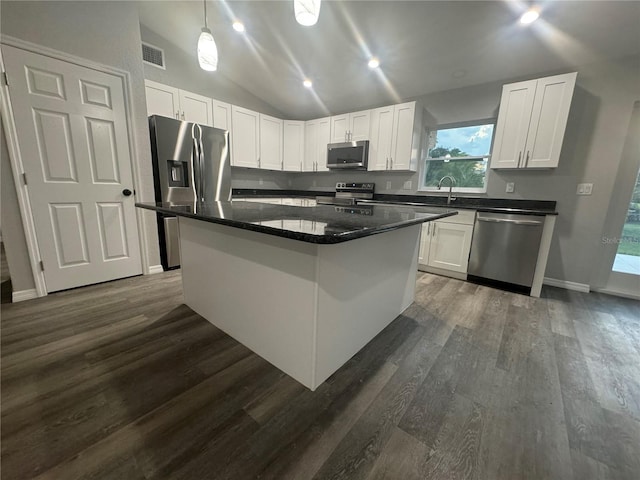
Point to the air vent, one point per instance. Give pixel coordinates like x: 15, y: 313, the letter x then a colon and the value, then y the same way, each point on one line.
x: 153, y: 55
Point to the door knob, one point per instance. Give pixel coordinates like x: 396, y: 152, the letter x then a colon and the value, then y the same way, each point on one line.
x: 126, y: 192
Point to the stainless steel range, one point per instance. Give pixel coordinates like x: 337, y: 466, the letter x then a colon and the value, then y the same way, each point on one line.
x: 349, y: 193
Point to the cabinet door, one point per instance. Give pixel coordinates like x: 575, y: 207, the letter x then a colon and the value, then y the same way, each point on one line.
x: 245, y: 140
x: 425, y: 240
x: 162, y: 100
x: 548, y: 121
x: 270, y: 143
x: 359, y: 125
x: 324, y: 135
x: 339, y: 127
x: 221, y: 115
x: 402, y: 138
x: 380, y: 142
x: 513, y: 124
x: 310, y: 145
x: 450, y: 246
x: 293, y: 156
x: 196, y: 108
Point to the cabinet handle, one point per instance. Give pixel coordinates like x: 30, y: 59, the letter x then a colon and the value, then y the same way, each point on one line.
x: 300, y: 165
x: 177, y: 115
x: 183, y: 115
x: 428, y: 229
x: 434, y: 229
x: 526, y: 161
x: 386, y: 167
x: 258, y: 162
x: 519, y: 158
x: 390, y: 163
x: 282, y: 165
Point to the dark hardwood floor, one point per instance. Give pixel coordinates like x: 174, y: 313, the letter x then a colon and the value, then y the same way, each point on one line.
x: 122, y: 381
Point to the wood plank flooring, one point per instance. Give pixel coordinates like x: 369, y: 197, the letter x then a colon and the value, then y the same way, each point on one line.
x: 122, y: 381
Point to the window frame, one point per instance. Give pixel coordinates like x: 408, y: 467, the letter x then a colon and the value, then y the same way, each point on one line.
x: 425, y: 158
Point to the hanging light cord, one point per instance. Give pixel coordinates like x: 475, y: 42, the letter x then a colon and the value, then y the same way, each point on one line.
x: 205, y: 14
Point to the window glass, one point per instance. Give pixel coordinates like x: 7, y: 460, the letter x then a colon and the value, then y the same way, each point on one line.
x: 461, y: 152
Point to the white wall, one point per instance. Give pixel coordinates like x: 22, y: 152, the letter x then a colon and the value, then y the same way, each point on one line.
x: 104, y: 32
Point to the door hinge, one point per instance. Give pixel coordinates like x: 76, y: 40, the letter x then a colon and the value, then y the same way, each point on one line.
x: 5, y: 78
x: 24, y: 178
x: 41, y: 266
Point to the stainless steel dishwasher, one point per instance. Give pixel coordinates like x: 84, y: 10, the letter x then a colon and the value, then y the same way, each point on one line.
x: 505, y: 248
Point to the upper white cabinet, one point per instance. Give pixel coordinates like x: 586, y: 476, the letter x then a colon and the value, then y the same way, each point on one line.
x: 221, y: 115
x: 396, y: 133
x: 162, y: 100
x: 270, y: 143
x: 532, y: 121
x: 317, y: 136
x: 350, y: 127
x: 180, y: 104
x: 293, y: 156
x: 245, y: 141
x: 196, y: 108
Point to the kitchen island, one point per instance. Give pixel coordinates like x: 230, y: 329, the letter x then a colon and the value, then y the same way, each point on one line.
x: 304, y: 287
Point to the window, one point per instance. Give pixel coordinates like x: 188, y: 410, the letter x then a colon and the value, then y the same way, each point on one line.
x: 462, y: 152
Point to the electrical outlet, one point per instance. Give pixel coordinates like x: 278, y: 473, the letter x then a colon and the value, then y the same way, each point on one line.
x: 510, y: 187
x: 584, y: 189
x: 388, y: 184
x: 261, y: 182
x: 407, y: 185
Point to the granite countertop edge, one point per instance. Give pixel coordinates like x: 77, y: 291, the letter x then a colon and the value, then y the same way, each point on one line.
x: 300, y: 236
x: 480, y: 204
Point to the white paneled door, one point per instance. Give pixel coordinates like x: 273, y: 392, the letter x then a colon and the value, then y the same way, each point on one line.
x: 74, y: 144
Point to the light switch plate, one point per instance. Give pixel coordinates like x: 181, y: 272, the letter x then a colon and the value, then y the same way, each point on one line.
x: 584, y: 189
x: 388, y: 184
x: 510, y: 187
x: 407, y: 185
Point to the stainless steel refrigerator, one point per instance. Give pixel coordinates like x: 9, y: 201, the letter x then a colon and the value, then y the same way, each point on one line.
x: 190, y: 165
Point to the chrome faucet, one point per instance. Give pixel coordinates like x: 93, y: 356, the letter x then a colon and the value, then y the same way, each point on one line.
x: 452, y: 182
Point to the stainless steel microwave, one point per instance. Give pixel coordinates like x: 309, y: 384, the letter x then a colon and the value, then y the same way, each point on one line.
x: 348, y: 155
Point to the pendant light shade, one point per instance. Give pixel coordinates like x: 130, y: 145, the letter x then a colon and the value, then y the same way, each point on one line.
x: 207, y: 49
x: 306, y: 11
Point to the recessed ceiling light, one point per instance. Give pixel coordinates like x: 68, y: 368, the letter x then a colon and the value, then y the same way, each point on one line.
x: 529, y: 16
x: 238, y: 26
x: 307, y: 83
x: 374, y: 63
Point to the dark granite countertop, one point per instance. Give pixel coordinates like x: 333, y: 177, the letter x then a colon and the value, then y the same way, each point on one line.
x: 481, y: 204
x: 323, y: 224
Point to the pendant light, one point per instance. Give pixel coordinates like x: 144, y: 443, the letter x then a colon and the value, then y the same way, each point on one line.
x: 306, y: 11
x: 207, y: 50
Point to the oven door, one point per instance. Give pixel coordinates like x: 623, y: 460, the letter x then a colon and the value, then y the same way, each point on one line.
x: 349, y: 155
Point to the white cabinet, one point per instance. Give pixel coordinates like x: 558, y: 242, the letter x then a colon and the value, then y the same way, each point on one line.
x: 445, y: 244
x: 350, y: 127
x: 532, y: 121
x: 293, y: 156
x: 221, y: 115
x: 162, y: 100
x: 396, y: 134
x: 180, y: 104
x: 270, y: 143
x: 196, y: 108
x: 317, y: 136
x: 245, y: 140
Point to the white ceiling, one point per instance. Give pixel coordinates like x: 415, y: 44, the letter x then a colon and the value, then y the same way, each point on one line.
x: 423, y: 46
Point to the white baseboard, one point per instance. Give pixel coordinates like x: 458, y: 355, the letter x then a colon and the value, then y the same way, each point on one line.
x: 616, y: 293
x: 578, y: 287
x: 23, y: 295
x: 155, y: 269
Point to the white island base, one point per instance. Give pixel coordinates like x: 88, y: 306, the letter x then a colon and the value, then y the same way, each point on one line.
x: 306, y: 308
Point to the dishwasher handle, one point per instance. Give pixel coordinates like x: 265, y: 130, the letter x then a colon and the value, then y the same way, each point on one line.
x: 507, y: 220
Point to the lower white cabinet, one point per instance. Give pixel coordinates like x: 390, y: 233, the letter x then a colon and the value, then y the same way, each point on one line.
x: 445, y: 244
